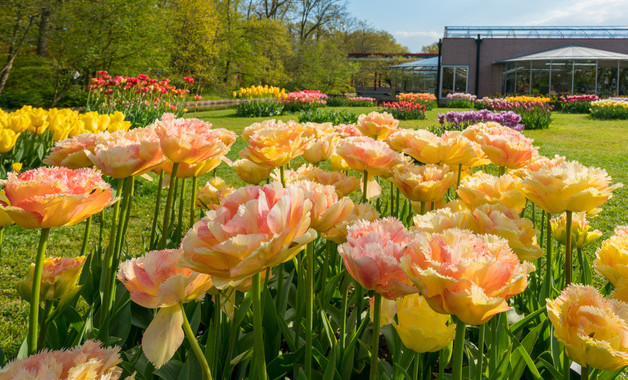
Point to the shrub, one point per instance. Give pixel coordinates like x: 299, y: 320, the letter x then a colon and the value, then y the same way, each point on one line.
x: 324, y: 116
x: 259, y: 108
x: 336, y: 101
x: 403, y: 110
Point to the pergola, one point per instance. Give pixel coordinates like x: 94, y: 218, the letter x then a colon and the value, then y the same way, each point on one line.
x: 415, y: 76
x: 569, y: 69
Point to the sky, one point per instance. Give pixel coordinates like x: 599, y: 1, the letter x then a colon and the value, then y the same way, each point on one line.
x: 415, y: 23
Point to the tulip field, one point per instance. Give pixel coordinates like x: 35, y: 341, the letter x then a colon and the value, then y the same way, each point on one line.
x: 213, y: 246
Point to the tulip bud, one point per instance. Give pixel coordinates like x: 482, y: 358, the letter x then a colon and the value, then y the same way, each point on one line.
x: 59, y: 278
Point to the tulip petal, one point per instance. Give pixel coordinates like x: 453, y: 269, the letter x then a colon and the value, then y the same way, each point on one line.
x: 163, y: 336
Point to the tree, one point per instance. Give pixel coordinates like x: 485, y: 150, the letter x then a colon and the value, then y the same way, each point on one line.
x: 431, y: 48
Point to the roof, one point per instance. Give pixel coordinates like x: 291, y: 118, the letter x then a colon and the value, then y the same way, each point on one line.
x: 427, y: 62
x: 568, y: 53
x: 536, y: 31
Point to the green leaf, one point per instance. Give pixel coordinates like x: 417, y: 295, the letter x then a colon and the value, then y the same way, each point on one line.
x: 170, y: 370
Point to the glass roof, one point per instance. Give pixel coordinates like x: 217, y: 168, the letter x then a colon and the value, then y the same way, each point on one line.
x: 421, y: 63
x: 536, y: 31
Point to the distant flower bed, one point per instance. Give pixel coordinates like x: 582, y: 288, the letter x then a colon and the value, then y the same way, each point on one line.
x: 403, y: 110
x: 614, y: 108
x: 303, y: 100
x: 426, y: 99
x: 141, y: 99
x: 535, y: 112
x: 259, y: 108
x: 460, y: 100
x: 253, y: 92
x: 460, y: 120
x: 577, y: 103
x: 360, y: 101
x: 328, y: 116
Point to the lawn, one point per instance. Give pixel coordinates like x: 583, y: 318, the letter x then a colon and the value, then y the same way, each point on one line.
x: 578, y: 137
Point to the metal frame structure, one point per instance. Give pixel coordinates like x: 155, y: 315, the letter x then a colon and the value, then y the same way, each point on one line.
x: 536, y: 32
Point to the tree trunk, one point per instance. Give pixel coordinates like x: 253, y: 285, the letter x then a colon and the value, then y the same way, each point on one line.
x: 44, y: 32
x: 4, y: 74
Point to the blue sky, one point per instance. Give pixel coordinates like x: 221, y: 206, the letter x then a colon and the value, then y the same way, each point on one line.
x: 415, y: 23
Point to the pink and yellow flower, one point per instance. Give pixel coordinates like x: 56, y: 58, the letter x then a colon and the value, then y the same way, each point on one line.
x: 253, y: 229
x: 274, y: 147
x: 320, y: 149
x: 250, y: 172
x: 504, y: 146
x: 612, y: 257
x: 371, y: 255
x: 71, y: 153
x: 467, y: 275
x: 55, y: 197
x: 581, y: 234
x: 362, y: 211
x: 59, y: 277
x: 427, y: 183
x: 327, y: 210
x: 365, y: 154
x: 481, y: 188
x: 212, y: 194
x: 377, y: 125
x: 593, y: 329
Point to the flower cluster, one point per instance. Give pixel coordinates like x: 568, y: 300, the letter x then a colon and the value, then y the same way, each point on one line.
x: 535, y: 112
x: 460, y: 100
x: 528, y: 99
x: 460, y: 120
x: 416, y: 97
x: 360, y: 101
x: 405, y: 110
x: 578, y: 98
x: 616, y: 108
x: 303, y: 100
x: 260, y: 91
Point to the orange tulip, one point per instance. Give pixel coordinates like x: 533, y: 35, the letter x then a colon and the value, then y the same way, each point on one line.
x: 467, y: 275
x: 377, y: 125
x: 481, y: 188
x: 365, y: 154
x: 502, y: 145
x: 214, y: 191
x: 191, y: 141
x: 327, y: 210
x: 250, y: 172
x: 127, y: 153
x: 70, y: 153
x: 593, y: 329
x: 422, y: 145
x: 569, y: 186
x: 253, y: 229
x: 427, y: 183
x: 59, y: 277
x: 55, y: 197
x: 274, y: 147
x: 371, y: 255
x: 320, y: 149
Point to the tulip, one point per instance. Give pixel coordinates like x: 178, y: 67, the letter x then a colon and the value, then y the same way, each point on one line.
x: 250, y: 172
x: 388, y: 311
x: 362, y: 211
x: 343, y: 184
x: 8, y: 138
x: 481, y: 188
x: 581, y: 236
x: 612, y: 257
x: 89, y: 361
x: 427, y: 183
x: 155, y: 281
x: 593, y: 329
x: 127, y: 154
x: 420, y: 144
x: 253, y: 228
x: 372, y: 253
x: 320, y: 149
x: 190, y: 170
x: 338, y: 164
x: 569, y: 186
x: 275, y: 147
x: 59, y: 278
x: 467, y: 275
x: 420, y: 328
x: 214, y: 191
x: 504, y: 146
x: 365, y: 154
x: 377, y: 125
x: 71, y: 152
x: 327, y: 210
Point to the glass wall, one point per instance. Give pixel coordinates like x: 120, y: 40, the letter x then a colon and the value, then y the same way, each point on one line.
x: 565, y: 77
x: 453, y: 79
x: 415, y: 80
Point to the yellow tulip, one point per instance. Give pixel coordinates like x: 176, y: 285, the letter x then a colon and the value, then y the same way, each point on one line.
x: 612, y: 257
x: 8, y: 138
x: 420, y: 328
x: 17, y: 167
x: 59, y: 277
x: 580, y: 234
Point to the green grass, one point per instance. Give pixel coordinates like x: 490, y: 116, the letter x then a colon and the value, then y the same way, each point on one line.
x: 578, y: 137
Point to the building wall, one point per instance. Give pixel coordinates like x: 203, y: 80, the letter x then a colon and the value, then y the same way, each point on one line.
x: 462, y: 51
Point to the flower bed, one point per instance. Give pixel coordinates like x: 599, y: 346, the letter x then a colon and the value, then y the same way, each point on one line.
x: 360, y: 101
x: 535, y: 112
x: 460, y: 120
x: 577, y: 103
x: 460, y: 100
x: 614, y: 108
x: 426, y: 99
x: 328, y: 115
x: 303, y: 100
x: 403, y: 110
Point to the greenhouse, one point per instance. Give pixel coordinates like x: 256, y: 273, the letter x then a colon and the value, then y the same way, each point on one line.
x: 415, y: 76
x: 570, y: 69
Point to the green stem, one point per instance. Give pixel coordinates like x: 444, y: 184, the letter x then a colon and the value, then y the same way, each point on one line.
x: 583, y: 264
x: 392, y: 198
x: 441, y: 364
x: 365, y: 178
x: 193, y: 201
x: 343, y: 317
x: 181, y: 207
x: 459, y: 174
x: 282, y: 176
x: 43, y: 330
x: 309, y: 306
x: 456, y: 373
x: 584, y: 373
x: 417, y: 368
x: 156, y: 212
x: 396, y: 201
x: 542, y: 227
x: 567, y: 364
x: 323, y: 277
x: 233, y: 336
x: 431, y: 206
x: 568, y: 259
x: 502, y: 170
x: 422, y: 207
x: 480, y: 352
x: 166, y: 224
x: 127, y: 216
x: 548, y: 256
x: 33, y: 319
x: 196, y: 348
x: 258, y: 333
x: 375, y: 338
x: 86, y: 233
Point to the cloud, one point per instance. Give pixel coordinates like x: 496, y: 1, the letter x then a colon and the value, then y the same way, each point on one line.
x: 414, y: 40
x: 584, y: 12
x: 430, y: 34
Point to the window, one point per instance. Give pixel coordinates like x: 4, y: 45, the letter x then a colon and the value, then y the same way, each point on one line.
x: 453, y: 79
